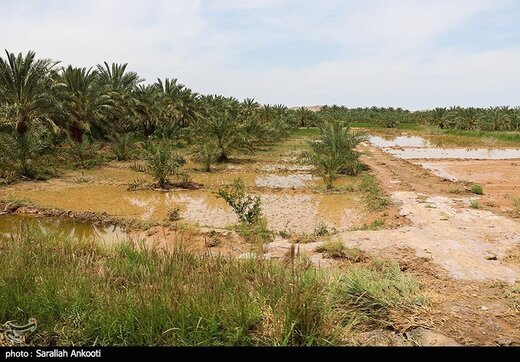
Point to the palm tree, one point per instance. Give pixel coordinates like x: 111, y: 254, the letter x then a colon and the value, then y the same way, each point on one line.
x: 334, y: 150
x: 119, y: 84
x: 83, y: 102
x: 27, y: 88
x: 439, y: 117
x: 179, y: 102
x: 304, y: 117
x: 498, y: 118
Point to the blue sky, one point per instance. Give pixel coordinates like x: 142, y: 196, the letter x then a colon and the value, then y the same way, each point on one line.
x: 410, y: 53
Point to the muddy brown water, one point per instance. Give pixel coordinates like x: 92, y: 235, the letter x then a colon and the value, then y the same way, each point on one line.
x: 455, y: 153
x: 400, y: 141
x: 11, y: 225
x: 416, y: 147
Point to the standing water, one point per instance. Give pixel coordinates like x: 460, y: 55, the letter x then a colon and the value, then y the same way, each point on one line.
x: 10, y: 225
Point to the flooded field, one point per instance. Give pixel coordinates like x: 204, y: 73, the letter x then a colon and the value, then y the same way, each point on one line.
x: 10, y: 225
x: 427, y: 222
x: 417, y: 147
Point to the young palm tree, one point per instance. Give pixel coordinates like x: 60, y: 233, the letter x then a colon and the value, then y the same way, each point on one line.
x: 334, y: 150
x: 305, y: 117
x: 27, y: 88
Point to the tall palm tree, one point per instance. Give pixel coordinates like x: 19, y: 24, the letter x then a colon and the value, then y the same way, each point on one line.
x: 84, y: 104
x: 26, y: 87
x: 119, y: 84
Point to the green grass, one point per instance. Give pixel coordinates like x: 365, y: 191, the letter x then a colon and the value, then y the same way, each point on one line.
x: 304, y: 132
x: 337, y: 249
x: 512, y: 137
x: 374, y: 197
x: 516, y: 206
x: 83, y: 294
x: 377, y: 295
x: 374, y: 225
x: 474, y: 204
x: 477, y: 189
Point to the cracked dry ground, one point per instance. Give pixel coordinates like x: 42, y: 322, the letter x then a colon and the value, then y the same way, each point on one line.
x: 465, y: 257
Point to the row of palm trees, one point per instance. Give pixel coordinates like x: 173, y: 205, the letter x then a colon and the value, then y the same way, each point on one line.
x: 108, y: 101
x: 502, y: 118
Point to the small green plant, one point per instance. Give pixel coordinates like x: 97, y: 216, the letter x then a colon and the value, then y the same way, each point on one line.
x: 207, y: 154
x: 83, y: 152
x: 454, y: 190
x: 516, y: 206
x: 374, y: 225
x: 337, y: 249
x: 246, y: 207
x: 138, y: 167
x: 513, y: 296
x: 123, y: 146
x: 477, y: 189
x: 474, y: 204
x: 321, y: 229
x: 374, y: 198
x: 137, y: 184
x: 256, y: 233
x: 162, y: 162
x: 284, y: 234
x: 174, y: 214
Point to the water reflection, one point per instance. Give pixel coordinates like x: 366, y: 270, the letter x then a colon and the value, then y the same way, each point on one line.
x: 10, y: 225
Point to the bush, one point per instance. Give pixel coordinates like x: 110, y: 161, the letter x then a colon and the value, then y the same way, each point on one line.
x: 207, y: 153
x: 477, y: 189
x: 474, y: 204
x: 162, y: 162
x: 123, y: 146
x: 333, y: 152
x: 174, y: 214
x: 247, y: 208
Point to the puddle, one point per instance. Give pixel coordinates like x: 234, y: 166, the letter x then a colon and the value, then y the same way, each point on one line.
x: 300, y: 213
x: 455, y: 153
x: 400, y: 141
x: 290, y: 181
x: 10, y: 225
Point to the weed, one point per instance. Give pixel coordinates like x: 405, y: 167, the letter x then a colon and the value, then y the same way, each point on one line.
x: 474, y: 204
x: 477, y: 189
x: 454, y: 190
x: 374, y: 198
x: 376, y: 294
x: 174, y: 214
x: 246, y: 207
x: 321, y: 229
x: 516, y: 206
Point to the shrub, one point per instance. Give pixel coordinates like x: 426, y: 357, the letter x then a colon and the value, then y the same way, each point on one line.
x: 477, y: 189
x: 123, y: 146
x: 162, y: 162
x: 333, y: 152
x: 174, y: 214
x: 247, y: 208
x: 474, y: 204
x: 207, y: 153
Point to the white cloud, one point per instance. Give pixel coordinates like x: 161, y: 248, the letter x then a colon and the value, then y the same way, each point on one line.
x: 388, y: 50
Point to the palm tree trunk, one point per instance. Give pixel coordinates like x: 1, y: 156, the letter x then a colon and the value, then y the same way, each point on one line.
x: 22, y: 126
